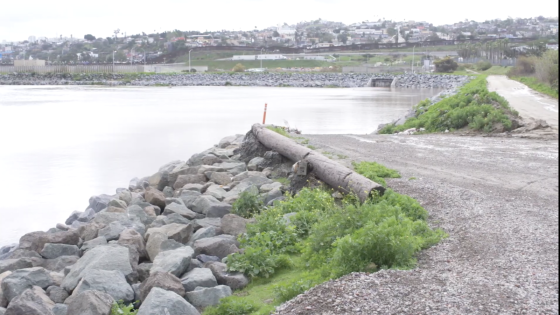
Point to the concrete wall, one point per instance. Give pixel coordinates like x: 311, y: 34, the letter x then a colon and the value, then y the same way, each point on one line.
x: 173, y: 68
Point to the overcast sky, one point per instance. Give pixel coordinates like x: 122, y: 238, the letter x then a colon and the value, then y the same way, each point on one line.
x: 21, y: 19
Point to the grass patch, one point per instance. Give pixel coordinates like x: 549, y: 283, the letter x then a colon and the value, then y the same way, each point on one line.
x: 534, y: 84
x: 496, y: 70
x: 312, y: 147
x: 375, y: 171
x: 341, y: 156
x: 324, y: 239
x: 283, y: 181
x: 412, y: 178
x: 279, y: 130
x: 119, y: 308
x: 473, y: 106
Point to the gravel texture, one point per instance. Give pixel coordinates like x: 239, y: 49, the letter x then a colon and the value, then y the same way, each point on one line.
x: 497, y: 198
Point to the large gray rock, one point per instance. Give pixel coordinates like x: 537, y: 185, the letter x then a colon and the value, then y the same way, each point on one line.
x: 179, y: 232
x: 112, y: 231
x: 206, y: 222
x: 202, y: 203
x: 36, y: 240
x: 241, y: 176
x: 175, y: 218
x: 234, y: 280
x: 243, y: 186
x: 14, y: 264
x: 182, y: 180
x: 59, y: 263
x: 32, y: 301
x: 60, y: 309
x: 189, y: 197
x: 175, y: 261
x: 100, y: 202
x: 226, y: 141
x: 221, y: 178
x: 125, y: 196
x: 73, y: 217
x: 51, y: 251
x: 203, y: 233
x: 218, y: 210
x: 89, y: 231
x: 255, y: 164
x: 107, y: 257
x: 133, y: 239
x: 163, y: 280
x: 93, y: 243
x: 170, y: 245
x: 160, y: 301
x: 181, y: 210
x: 198, y: 277
x: 117, y: 203
x: 216, y: 191
x: 91, y: 303
x: 256, y: 180
x: 192, y: 187
x: 233, y: 224
x: 136, y: 212
x: 205, y: 297
x: 268, y: 187
x: 105, y: 217
x: 57, y: 294
x: 111, y: 282
x: 23, y: 279
x: 153, y: 246
x: 155, y: 197
x: 216, y: 246
x: 3, y: 300
x: 271, y: 195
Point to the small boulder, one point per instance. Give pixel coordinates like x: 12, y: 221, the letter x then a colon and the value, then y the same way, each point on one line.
x: 198, y: 277
x: 160, y: 301
x: 204, y: 297
x: 112, y: 231
x: 206, y: 232
x: 91, y: 303
x: 163, y: 280
x: 36, y: 240
x: 132, y: 238
x: 234, y: 280
x: 59, y: 263
x: 57, y: 294
x: 233, y: 224
x: 216, y: 246
x: 155, y: 197
x: 23, y: 279
x: 179, y: 209
x: 179, y: 232
x: 89, y: 231
x: 144, y: 271
x: 255, y: 164
x: 175, y: 261
x: 221, y: 178
x: 51, y: 251
x: 32, y: 301
x: 111, y: 282
x: 15, y: 264
x: 218, y: 210
x: 153, y: 246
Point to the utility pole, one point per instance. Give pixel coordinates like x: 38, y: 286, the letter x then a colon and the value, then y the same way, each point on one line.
x: 412, y: 64
x: 190, y: 60
x: 261, y: 56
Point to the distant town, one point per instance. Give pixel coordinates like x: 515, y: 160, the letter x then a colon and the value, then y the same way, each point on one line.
x: 310, y: 35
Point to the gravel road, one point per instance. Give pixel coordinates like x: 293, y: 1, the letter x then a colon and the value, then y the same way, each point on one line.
x: 527, y: 102
x: 497, y: 198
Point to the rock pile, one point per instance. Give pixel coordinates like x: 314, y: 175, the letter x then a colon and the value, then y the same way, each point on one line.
x: 160, y: 241
x: 235, y: 79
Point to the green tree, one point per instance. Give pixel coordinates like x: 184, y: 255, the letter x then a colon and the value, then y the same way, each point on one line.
x: 446, y: 65
x: 343, y: 38
x: 89, y: 37
x: 275, y: 34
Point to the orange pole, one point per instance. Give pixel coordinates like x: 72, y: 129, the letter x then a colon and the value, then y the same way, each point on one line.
x: 264, y: 115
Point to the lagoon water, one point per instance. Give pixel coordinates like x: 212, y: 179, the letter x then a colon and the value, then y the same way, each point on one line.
x: 59, y: 145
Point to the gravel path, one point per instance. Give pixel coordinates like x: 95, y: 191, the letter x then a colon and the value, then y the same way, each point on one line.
x: 497, y: 198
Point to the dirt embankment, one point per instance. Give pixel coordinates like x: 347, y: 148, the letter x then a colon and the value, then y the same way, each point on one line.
x: 497, y: 198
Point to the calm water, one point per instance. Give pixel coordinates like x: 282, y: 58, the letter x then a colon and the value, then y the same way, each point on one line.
x: 60, y: 145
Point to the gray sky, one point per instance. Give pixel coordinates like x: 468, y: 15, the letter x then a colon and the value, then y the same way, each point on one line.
x: 21, y: 19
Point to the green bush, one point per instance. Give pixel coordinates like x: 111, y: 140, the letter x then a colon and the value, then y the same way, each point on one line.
x: 247, y: 205
x: 445, y: 65
x: 289, y: 291
x: 231, y: 305
x: 119, y: 308
x: 483, y: 65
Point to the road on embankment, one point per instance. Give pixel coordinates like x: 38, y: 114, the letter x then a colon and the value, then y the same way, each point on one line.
x: 529, y: 103
x: 497, y: 198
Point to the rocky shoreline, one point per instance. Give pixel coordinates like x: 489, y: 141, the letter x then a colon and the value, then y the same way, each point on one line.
x: 160, y: 241
x: 316, y: 80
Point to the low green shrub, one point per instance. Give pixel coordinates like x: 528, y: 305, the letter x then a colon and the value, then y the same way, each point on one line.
x: 288, y: 291
x: 231, y: 305
x: 473, y: 106
x: 279, y: 130
x: 119, y: 308
x: 376, y: 172
x: 483, y: 65
x: 247, y: 205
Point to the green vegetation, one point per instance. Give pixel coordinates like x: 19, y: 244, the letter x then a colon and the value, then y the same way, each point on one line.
x: 312, y: 147
x: 539, y: 72
x: 312, y: 231
x: 376, y: 172
x: 483, y: 65
x: 283, y: 181
x: 496, y: 70
x: 279, y: 130
x: 534, y: 84
x: 119, y: 308
x: 445, y: 65
x: 238, y: 68
x: 247, y: 205
x: 473, y: 106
